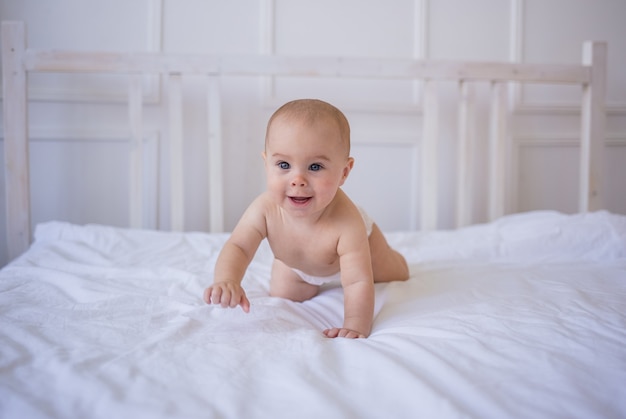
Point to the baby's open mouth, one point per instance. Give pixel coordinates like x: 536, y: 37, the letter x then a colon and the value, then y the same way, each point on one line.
x: 300, y: 199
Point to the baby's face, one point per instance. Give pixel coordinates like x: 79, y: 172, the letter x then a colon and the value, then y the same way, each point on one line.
x: 306, y: 163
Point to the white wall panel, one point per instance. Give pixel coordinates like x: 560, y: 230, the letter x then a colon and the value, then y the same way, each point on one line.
x: 616, y: 173
x: 75, y: 24
x: 468, y: 30
x: 349, y: 28
x: 548, y: 169
x: 84, y: 177
x: 382, y: 182
x: 200, y: 26
x: 99, y: 194
x: 548, y: 175
x: 552, y: 31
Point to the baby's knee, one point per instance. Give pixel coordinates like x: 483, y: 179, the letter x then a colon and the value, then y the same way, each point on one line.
x: 400, y: 272
x: 404, y: 273
x: 293, y: 290
x: 391, y: 266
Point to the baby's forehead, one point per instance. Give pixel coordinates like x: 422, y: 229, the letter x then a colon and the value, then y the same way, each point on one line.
x: 307, y: 119
x: 327, y: 126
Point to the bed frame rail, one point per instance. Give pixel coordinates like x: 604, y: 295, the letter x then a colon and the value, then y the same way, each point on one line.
x: 18, y: 61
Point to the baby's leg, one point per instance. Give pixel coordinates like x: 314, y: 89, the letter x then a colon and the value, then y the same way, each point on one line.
x: 387, y: 264
x: 286, y: 283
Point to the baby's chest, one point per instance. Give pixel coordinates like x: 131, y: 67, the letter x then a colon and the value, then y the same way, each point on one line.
x: 297, y: 250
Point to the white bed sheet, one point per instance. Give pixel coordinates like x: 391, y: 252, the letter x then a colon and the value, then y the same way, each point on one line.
x: 523, y: 317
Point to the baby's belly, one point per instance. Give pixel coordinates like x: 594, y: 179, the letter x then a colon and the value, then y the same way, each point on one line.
x: 320, y: 268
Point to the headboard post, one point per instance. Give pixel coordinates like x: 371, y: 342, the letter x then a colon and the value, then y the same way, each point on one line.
x: 465, y: 154
x: 177, y: 192
x: 498, y: 149
x: 15, y: 138
x: 135, y: 113
x: 216, y: 181
x: 593, y: 128
x: 429, y: 157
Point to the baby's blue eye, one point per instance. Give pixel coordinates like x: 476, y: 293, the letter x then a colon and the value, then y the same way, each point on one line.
x: 283, y: 165
x: 315, y: 167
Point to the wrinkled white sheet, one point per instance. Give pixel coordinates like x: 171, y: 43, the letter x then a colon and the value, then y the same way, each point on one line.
x: 523, y: 317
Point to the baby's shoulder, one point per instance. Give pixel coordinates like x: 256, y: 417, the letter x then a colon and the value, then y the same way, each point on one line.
x: 261, y: 204
x: 257, y: 211
x: 346, y: 216
x: 264, y: 209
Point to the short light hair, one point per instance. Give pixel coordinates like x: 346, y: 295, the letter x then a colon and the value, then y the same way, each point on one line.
x: 311, y: 110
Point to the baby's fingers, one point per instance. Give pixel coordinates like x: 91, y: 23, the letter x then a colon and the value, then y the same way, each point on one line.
x: 343, y: 333
x: 216, y: 295
x: 226, y: 297
x: 234, y: 298
x: 331, y: 333
x: 244, y: 303
x: 208, y: 295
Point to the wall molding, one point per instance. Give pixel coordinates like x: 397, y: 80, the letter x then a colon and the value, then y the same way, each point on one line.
x: 49, y: 91
x: 556, y: 140
x: 151, y: 159
x: 412, y: 142
x: 520, y: 104
x: 615, y: 139
x: 267, y: 46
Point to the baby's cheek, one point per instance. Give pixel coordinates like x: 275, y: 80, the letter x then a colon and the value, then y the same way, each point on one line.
x: 275, y: 187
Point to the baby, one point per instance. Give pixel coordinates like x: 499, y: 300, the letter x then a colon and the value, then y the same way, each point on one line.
x: 314, y: 230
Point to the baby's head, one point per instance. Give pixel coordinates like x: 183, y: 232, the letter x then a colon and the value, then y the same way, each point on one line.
x: 312, y: 111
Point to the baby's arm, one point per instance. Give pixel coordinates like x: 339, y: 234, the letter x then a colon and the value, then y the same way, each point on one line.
x: 229, y: 270
x: 358, y: 287
x: 234, y: 259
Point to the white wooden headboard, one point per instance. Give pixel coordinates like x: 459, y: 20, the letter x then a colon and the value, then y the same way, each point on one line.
x: 18, y: 62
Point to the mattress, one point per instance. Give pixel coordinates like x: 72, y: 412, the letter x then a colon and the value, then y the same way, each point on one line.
x: 521, y: 317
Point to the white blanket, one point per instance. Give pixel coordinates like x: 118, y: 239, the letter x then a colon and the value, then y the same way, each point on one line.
x: 523, y: 317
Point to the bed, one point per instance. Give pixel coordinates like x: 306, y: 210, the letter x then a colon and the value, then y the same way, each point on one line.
x: 523, y: 315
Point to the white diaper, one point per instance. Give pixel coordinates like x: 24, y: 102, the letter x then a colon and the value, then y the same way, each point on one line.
x: 369, y: 223
x: 318, y: 280
x: 321, y: 280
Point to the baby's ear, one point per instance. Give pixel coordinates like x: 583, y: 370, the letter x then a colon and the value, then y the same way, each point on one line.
x: 264, y: 155
x: 347, y: 169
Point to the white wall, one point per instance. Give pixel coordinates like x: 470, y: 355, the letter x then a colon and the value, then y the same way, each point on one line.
x: 79, y: 143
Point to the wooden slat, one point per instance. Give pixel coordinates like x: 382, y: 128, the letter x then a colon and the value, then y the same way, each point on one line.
x: 216, y: 178
x: 429, y: 158
x: 15, y: 121
x: 498, y: 125
x: 465, y: 155
x: 177, y: 203
x: 303, y: 66
x: 135, y: 111
x: 593, y: 129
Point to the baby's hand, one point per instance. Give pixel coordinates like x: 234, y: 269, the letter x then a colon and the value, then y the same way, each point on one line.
x: 228, y: 295
x: 342, y: 332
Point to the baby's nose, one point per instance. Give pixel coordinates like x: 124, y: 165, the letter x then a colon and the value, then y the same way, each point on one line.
x: 299, y: 180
